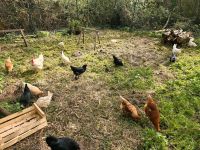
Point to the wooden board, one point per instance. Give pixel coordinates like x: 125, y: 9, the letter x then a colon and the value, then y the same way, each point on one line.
x: 18, y: 126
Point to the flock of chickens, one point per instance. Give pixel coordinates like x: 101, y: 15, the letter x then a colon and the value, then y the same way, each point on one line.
x: 151, y: 109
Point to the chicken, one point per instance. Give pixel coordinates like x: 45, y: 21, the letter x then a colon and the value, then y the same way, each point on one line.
x: 78, y: 70
x: 63, y: 143
x: 34, y: 90
x: 61, y: 44
x: 37, y: 63
x: 25, y: 99
x: 44, y: 102
x: 151, y: 110
x: 117, y: 61
x: 130, y: 109
x: 191, y: 43
x: 65, y: 58
x: 175, y: 50
x: 173, y: 58
x: 8, y: 65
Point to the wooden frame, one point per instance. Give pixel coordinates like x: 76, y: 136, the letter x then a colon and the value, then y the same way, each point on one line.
x: 83, y: 36
x: 17, y: 30
x: 20, y: 125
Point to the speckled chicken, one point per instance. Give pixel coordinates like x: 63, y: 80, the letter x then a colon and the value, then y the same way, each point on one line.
x: 151, y: 110
x: 44, y: 102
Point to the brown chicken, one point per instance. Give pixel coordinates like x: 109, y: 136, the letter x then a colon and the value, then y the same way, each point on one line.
x: 8, y: 65
x: 34, y: 90
x: 130, y: 109
x: 151, y: 110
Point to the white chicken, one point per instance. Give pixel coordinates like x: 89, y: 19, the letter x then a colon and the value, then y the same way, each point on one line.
x: 44, y: 102
x: 65, y: 58
x: 37, y: 63
x: 176, y: 50
x: 191, y: 43
x: 34, y: 90
x: 61, y: 44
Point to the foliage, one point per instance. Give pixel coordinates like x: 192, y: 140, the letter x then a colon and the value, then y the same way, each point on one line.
x: 36, y: 15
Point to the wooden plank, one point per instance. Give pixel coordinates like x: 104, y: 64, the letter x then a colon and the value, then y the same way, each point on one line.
x: 23, y: 128
x: 89, y: 29
x: 24, y: 135
x: 79, y: 38
x: 6, y: 128
x: 16, y: 119
x: 19, y: 127
x: 24, y: 38
x: 95, y: 39
x: 83, y: 36
x: 11, y: 30
x: 17, y: 114
x: 38, y: 110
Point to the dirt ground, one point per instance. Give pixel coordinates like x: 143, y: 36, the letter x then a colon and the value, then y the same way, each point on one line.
x: 88, y: 109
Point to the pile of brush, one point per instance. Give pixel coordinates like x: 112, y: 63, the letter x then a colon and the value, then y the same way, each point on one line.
x: 171, y: 36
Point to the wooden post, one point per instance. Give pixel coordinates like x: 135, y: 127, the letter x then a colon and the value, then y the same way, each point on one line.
x: 23, y: 36
x: 95, y: 40
x: 79, y: 38
x: 97, y: 32
x: 83, y: 36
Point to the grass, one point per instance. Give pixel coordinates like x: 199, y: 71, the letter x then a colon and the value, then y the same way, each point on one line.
x: 88, y: 109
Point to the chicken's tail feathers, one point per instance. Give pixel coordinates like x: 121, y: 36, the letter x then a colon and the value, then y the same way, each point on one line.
x: 122, y: 97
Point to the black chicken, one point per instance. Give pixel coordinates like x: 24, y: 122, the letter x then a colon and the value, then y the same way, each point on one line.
x: 173, y: 58
x: 63, y: 143
x: 117, y: 61
x: 26, y: 96
x: 78, y: 70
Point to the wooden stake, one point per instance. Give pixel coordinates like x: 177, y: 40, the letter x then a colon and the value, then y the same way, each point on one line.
x: 83, y: 36
x: 95, y: 40
x: 23, y: 36
x: 97, y: 32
